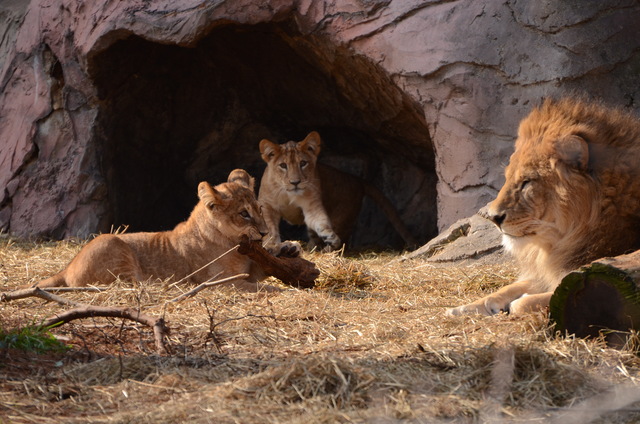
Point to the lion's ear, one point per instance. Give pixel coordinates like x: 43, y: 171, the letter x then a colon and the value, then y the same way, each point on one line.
x: 241, y: 177
x: 312, y: 143
x: 268, y: 149
x: 209, y: 195
x: 573, y: 150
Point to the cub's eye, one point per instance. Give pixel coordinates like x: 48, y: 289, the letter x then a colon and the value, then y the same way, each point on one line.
x: 245, y: 214
x: 524, y: 184
x: 303, y: 163
x: 283, y: 165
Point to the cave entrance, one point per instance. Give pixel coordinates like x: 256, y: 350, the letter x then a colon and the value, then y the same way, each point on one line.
x: 171, y: 116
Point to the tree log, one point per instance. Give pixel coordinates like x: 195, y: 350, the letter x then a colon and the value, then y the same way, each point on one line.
x: 602, y: 298
x: 294, y: 271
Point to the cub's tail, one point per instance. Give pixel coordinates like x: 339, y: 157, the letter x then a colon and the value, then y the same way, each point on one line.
x: 391, y: 213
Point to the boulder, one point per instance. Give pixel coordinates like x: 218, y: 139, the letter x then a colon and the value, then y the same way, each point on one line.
x: 111, y: 113
x: 473, y: 240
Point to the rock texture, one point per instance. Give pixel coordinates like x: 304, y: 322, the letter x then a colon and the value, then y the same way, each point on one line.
x: 112, y: 111
x: 473, y: 240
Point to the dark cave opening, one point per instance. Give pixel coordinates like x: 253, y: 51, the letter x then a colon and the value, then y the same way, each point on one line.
x: 172, y: 116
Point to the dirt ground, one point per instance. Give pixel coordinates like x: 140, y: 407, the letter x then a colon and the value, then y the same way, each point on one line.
x: 369, y: 344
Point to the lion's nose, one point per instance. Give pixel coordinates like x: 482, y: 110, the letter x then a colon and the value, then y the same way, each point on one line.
x: 295, y: 183
x: 498, y: 219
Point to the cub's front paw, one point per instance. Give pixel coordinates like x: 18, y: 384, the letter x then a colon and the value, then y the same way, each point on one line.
x: 272, y: 247
x: 331, y: 242
x: 289, y: 249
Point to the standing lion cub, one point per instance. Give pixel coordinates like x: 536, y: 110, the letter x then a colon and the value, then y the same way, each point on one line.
x: 300, y: 190
x: 571, y: 195
x: 224, y: 214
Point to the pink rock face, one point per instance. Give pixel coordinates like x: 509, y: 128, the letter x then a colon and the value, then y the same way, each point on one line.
x: 112, y: 112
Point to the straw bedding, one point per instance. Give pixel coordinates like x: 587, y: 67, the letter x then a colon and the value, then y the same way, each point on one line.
x: 370, y: 343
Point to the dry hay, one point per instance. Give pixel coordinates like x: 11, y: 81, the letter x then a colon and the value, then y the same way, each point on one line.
x: 333, y: 380
x: 340, y: 275
x: 369, y: 344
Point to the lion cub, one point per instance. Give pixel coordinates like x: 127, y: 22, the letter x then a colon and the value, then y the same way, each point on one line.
x: 300, y: 190
x: 223, y: 214
x: 571, y: 196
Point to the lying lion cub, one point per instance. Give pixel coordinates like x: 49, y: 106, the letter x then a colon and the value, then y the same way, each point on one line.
x: 223, y: 214
x: 300, y: 190
x: 571, y: 195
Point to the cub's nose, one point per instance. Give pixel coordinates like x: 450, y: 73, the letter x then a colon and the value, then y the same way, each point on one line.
x: 295, y: 183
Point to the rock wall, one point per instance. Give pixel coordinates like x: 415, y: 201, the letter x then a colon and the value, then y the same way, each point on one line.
x: 112, y: 111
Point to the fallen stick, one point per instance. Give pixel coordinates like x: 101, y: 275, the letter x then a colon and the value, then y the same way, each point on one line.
x: 296, y: 272
x: 160, y: 329
x: 38, y: 292
x: 204, y: 266
x: 81, y: 310
x: 205, y: 285
x: 75, y: 289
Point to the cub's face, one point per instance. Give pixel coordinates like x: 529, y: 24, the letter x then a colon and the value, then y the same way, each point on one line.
x: 232, y: 207
x: 292, y: 164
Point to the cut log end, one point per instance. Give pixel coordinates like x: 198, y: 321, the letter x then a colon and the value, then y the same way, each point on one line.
x: 601, y: 299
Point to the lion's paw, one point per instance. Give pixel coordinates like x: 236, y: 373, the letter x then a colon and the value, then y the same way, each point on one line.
x: 487, y: 307
x: 470, y: 309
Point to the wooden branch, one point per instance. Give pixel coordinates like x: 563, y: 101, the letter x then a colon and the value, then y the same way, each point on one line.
x: 296, y: 272
x: 81, y: 310
x: 600, y: 298
x: 38, y: 292
x: 204, y: 266
x: 160, y: 330
x: 75, y: 289
x: 205, y: 285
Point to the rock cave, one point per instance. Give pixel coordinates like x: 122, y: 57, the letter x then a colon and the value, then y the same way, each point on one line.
x: 170, y: 116
x: 110, y: 116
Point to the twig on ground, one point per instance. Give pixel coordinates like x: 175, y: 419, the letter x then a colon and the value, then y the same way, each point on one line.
x: 160, y: 329
x: 75, y: 289
x: 38, y: 292
x: 206, y: 265
x: 205, y: 285
x: 82, y: 310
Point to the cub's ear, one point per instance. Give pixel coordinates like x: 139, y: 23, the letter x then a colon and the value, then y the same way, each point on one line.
x: 268, y: 149
x: 209, y: 195
x: 573, y: 150
x: 241, y: 177
x: 312, y: 143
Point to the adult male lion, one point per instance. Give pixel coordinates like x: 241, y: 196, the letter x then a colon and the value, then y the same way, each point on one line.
x: 300, y: 190
x: 223, y: 214
x: 571, y: 195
